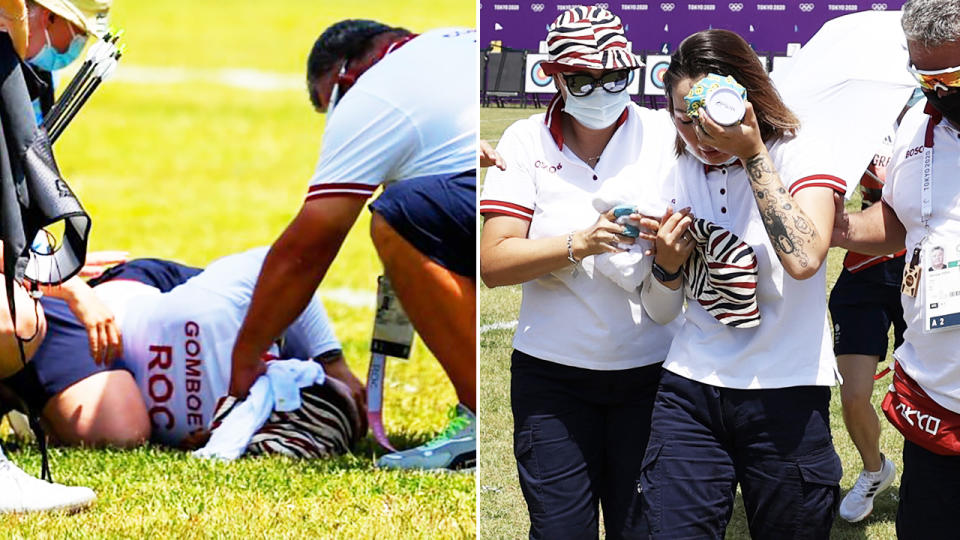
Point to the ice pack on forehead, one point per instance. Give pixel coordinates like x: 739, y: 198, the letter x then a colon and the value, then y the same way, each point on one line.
x: 722, y: 97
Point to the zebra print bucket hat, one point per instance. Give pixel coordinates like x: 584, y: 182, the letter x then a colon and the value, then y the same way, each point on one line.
x: 327, y: 424
x: 588, y: 38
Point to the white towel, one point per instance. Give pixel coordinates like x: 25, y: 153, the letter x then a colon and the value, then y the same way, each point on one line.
x: 278, y: 389
x: 628, y: 268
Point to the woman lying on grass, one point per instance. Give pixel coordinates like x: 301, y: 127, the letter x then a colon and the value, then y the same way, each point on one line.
x: 178, y: 325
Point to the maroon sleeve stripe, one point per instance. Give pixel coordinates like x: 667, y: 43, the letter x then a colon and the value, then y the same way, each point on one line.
x: 343, y: 186
x: 505, y: 212
x: 820, y: 180
x: 330, y: 194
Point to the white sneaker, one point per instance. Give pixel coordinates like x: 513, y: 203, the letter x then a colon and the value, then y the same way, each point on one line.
x: 20, y: 492
x: 859, y: 501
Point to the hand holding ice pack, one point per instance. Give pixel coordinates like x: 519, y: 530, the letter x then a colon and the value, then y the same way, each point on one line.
x: 622, y: 214
x: 722, y: 97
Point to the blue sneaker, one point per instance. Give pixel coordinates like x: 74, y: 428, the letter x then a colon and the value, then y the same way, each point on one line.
x: 455, y: 449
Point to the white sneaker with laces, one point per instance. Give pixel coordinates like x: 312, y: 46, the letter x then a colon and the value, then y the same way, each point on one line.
x: 20, y: 492
x: 858, y: 503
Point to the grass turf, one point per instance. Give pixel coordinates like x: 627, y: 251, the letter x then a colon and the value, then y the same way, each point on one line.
x: 501, y: 509
x: 196, y: 171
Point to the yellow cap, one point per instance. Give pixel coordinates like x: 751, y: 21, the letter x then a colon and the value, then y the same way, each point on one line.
x: 13, y: 17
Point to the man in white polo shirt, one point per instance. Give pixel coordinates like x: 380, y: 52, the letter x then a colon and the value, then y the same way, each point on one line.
x: 921, y: 212
x: 401, y: 112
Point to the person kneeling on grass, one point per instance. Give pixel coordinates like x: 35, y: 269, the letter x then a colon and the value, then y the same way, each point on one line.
x: 394, y: 119
x: 178, y: 327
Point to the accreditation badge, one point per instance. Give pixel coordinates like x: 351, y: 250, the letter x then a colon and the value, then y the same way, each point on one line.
x: 392, y: 330
x: 941, y: 285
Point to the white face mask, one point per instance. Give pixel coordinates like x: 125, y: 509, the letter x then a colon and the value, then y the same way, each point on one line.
x: 598, y: 110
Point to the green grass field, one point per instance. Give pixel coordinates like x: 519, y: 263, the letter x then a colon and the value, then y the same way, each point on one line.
x: 194, y: 168
x: 501, y: 509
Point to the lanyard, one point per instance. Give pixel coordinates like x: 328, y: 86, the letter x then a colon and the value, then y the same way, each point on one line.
x: 926, y: 195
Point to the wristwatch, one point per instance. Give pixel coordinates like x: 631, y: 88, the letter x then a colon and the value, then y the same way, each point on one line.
x: 663, y: 275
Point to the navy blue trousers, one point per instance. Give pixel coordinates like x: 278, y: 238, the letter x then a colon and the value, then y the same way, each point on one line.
x: 578, y: 435
x: 775, y: 443
x: 929, y: 495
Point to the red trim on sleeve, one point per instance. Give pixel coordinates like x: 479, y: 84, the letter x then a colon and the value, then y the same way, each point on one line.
x: 331, y: 194
x: 488, y: 206
x: 345, y: 189
x: 820, y: 180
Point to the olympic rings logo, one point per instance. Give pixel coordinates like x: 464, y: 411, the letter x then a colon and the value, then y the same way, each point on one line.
x: 603, y: 5
x: 537, y: 8
x: 806, y: 8
x: 878, y: 7
x: 735, y: 7
x: 667, y: 6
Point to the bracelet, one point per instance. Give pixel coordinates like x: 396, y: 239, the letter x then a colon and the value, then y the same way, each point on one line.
x: 570, y: 256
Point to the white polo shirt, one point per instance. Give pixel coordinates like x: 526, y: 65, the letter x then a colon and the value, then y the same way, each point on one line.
x: 933, y: 360
x: 792, y: 346
x: 585, y: 321
x: 177, y: 345
x: 413, y: 114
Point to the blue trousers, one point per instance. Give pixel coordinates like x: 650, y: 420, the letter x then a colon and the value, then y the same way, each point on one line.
x: 775, y: 443
x: 578, y: 435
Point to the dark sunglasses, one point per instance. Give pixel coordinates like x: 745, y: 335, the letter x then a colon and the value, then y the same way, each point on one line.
x: 582, y: 84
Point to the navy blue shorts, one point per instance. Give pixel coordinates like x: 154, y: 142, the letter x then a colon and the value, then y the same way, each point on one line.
x: 863, y: 306
x: 775, y: 443
x: 929, y: 495
x: 577, y: 437
x: 438, y: 215
x: 64, y: 356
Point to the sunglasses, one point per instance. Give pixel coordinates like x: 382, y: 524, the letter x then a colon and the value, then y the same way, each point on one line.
x: 582, y: 84
x: 941, y: 79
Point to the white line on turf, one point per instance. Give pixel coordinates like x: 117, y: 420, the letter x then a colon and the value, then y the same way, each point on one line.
x: 247, y: 79
x: 497, y: 326
x: 350, y: 297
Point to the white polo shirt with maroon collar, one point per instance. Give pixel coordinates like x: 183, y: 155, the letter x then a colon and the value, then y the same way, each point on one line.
x: 580, y: 319
x: 401, y: 121
x: 931, y: 359
x: 792, y: 346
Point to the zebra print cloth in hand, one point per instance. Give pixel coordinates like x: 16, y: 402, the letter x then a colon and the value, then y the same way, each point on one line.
x: 721, y: 274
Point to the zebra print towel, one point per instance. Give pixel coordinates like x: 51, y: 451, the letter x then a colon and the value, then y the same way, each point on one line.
x: 721, y: 274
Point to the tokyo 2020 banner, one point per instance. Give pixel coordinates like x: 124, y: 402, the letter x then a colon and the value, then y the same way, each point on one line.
x: 658, y: 27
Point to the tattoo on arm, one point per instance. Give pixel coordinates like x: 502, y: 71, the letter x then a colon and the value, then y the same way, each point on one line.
x: 790, y: 230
